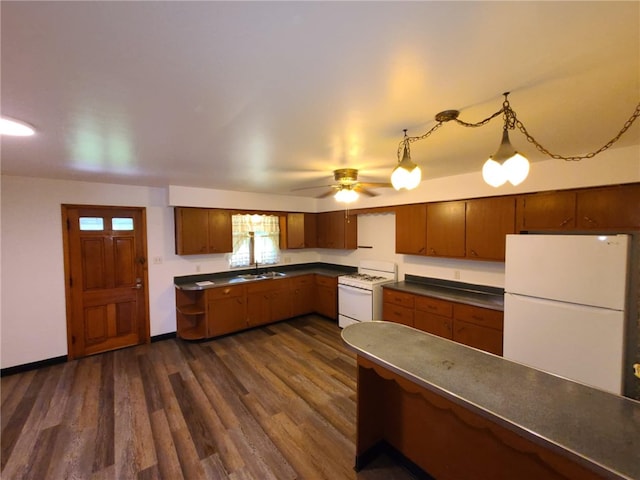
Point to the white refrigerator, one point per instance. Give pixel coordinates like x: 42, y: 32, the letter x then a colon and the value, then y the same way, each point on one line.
x: 565, y: 305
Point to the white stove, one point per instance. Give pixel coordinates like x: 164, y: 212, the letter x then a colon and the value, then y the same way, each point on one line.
x: 360, y: 294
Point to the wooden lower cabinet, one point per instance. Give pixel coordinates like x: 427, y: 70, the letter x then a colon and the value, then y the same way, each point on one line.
x: 477, y: 327
x: 191, y: 314
x: 302, y: 295
x: 226, y: 310
x: 230, y: 308
x: 268, y: 301
x: 326, y: 300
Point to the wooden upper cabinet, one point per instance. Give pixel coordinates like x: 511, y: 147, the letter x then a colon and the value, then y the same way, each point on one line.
x: 446, y: 229
x: 192, y: 230
x: 337, y: 230
x: 488, y: 221
x: 609, y: 207
x: 411, y: 229
x: 202, y: 231
x: 301, y: 230
x: 546, y: 211
x: 220, y: 231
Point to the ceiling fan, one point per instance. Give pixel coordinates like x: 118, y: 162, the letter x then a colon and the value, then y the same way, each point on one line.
x: 347, y: 181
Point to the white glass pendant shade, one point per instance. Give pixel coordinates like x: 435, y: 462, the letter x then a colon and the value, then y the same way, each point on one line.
x: 505, y: 165
x: 516, y: 169
x: 493, y: 173
x: 346, y: 195
x: 15, y: 128
x: 406, y: 174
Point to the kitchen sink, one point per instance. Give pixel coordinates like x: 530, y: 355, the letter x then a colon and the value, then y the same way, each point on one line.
x: 273, y: 274
x: 251, y: 276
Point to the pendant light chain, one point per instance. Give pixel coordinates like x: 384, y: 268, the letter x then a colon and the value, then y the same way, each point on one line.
x: 576, y: 158
x: 406, y: 140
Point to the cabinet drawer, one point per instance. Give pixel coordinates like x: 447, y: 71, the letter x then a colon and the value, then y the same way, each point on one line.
x: 435, y: 324
x: 482, y: 338
x: 326, y: 281
x: 479, y: 316
x: 225, y: 292
x: 398, y: 298
x: 435, y: 306
x: 302, y: 281
x: 397, y: 314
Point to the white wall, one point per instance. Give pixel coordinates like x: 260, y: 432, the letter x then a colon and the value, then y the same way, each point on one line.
x: 33, y: 321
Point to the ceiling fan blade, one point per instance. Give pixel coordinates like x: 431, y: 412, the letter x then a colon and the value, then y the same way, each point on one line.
x: 309, y: 188
x: 375, y: 184
x: 366, y: 192
x: 325, y: 194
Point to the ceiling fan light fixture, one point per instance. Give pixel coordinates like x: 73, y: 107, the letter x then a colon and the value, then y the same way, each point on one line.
x: 346, y: 195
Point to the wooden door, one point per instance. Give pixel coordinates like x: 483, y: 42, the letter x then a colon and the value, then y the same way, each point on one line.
x: 106, y: 278
x: 411, y: 229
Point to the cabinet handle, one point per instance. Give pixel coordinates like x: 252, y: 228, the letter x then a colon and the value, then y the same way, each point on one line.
x: 432, y: 307
x: 565, y: 221
x: 446, y: 326
x: 589, y: 220
x: 477, y: 317
x: 474, y: 253
x: 432, y: 251
x: 421, y: 250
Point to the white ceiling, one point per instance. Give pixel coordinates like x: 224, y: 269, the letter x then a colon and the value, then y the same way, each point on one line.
x: 271, y: 96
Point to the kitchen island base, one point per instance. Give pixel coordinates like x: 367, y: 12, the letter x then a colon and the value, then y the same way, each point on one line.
x: 443, y: 438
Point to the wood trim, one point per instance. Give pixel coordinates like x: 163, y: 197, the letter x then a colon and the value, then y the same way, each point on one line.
x: 446, y: 439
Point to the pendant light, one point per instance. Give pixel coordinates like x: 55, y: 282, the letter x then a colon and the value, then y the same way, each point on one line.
x: 16, y: 128
x: 505, y: 165
x: 406, y: 174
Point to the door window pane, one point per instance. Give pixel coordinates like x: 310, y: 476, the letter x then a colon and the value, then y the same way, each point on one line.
x: 91, y: 223
x: 122, y: 223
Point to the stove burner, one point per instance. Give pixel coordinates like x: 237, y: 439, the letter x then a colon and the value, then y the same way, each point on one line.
x: 364, y: 276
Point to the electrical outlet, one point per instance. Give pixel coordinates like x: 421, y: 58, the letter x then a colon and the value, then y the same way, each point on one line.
x: 197, y: 268
x: 157, y: 260
x: 456, y: 274
x: 287, y: 259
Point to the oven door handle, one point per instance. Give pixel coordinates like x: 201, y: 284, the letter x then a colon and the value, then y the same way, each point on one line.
x: 361, y: 291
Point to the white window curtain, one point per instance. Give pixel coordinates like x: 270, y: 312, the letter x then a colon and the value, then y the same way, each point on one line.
x: 265, y: 230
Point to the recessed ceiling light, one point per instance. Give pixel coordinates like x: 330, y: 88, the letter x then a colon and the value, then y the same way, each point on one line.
x: 15, y: 127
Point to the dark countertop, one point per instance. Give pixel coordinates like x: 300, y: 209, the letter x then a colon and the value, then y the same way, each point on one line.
x: 476, y: 295
x: 592, y: 427
x: 190, y: 282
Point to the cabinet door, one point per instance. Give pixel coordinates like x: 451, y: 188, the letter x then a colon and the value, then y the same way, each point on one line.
x: 226, y: 312
x: 301, y: 230
x: 337, y: 230
x: 435, y: 324
x: 220, y: 231
x: 488, y: 221
x: 280, y: 300
x: 445, y: 229
x: 546, y: 211
x: 258, y: 303
x: 326, y: 296
x: 302, y: 295
x: 473, y: 335
x: 609, y: 207
x: 411, y: 229
x: 295, y: 230
x: 191, y: 225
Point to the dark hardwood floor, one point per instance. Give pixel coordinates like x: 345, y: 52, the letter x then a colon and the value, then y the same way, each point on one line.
x: 276, y: 402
